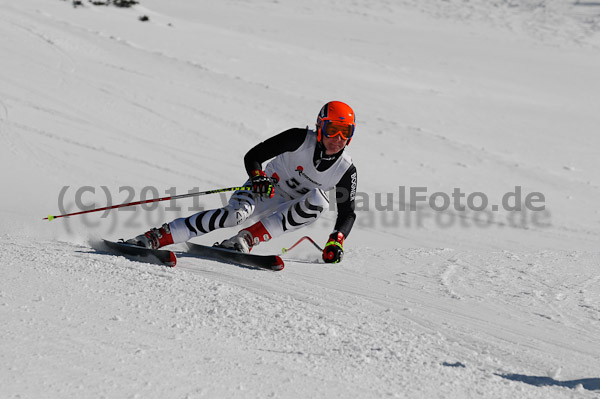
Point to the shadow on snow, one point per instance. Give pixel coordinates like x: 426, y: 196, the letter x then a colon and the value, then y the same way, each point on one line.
x: 591, y: 384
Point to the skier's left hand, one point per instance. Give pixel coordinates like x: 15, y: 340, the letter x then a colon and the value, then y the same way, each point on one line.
x: 334, y: 249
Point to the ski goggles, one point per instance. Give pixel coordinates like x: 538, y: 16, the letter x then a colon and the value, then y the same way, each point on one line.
x: 331, y: 129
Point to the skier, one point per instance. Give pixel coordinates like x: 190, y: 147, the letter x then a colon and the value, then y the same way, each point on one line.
x: 290, y: 193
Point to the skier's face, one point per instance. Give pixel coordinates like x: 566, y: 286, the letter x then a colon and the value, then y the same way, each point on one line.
x: 334, y: 144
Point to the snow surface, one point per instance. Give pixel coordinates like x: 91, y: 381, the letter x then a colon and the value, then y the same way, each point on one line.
x: 478, y: 95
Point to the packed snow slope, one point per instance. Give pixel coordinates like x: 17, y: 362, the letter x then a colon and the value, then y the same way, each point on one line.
x: 495, y: 99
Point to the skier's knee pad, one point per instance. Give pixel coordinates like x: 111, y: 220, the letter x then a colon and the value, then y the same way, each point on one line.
x: 297, y: 214
x: 242, y: 204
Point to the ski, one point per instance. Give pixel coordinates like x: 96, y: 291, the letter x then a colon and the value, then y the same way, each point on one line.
x: 269, y: 262
x: 135, y: 252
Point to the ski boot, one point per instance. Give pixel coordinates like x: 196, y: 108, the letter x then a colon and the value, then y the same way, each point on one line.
x: 154, y: 238
x: 247, y: 238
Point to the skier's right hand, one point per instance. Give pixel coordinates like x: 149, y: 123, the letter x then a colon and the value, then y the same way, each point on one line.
x: 334, y: 249
x: 262, y: 185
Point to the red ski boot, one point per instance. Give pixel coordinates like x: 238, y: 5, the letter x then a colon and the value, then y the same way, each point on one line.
x: 154, y: 238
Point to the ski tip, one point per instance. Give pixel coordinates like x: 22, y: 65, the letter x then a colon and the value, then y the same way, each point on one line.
x: 278, y: 265
x: 172, y: 260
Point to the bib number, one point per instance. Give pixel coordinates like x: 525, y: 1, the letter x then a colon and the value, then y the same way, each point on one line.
x: 295, y: 185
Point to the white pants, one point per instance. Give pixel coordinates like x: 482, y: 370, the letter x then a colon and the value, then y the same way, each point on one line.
x: 278, y: 214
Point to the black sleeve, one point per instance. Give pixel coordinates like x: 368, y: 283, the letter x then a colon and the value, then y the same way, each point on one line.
x: 345, y: 193
x: 290, y: 140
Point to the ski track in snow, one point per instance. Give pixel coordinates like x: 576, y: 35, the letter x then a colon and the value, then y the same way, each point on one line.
x: 476, y: 94
x: 390, y: 336
x: 352, y: 337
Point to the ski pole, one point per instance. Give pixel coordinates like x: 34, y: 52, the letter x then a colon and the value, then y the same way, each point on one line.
x: 285, y: 250
x: 219, y: 190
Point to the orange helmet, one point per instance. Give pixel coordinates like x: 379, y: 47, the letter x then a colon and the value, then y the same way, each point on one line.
x: 336, y: 118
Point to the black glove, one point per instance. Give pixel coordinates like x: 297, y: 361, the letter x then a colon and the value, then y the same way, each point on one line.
x: 262, y: 185
x: 334, y: 249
